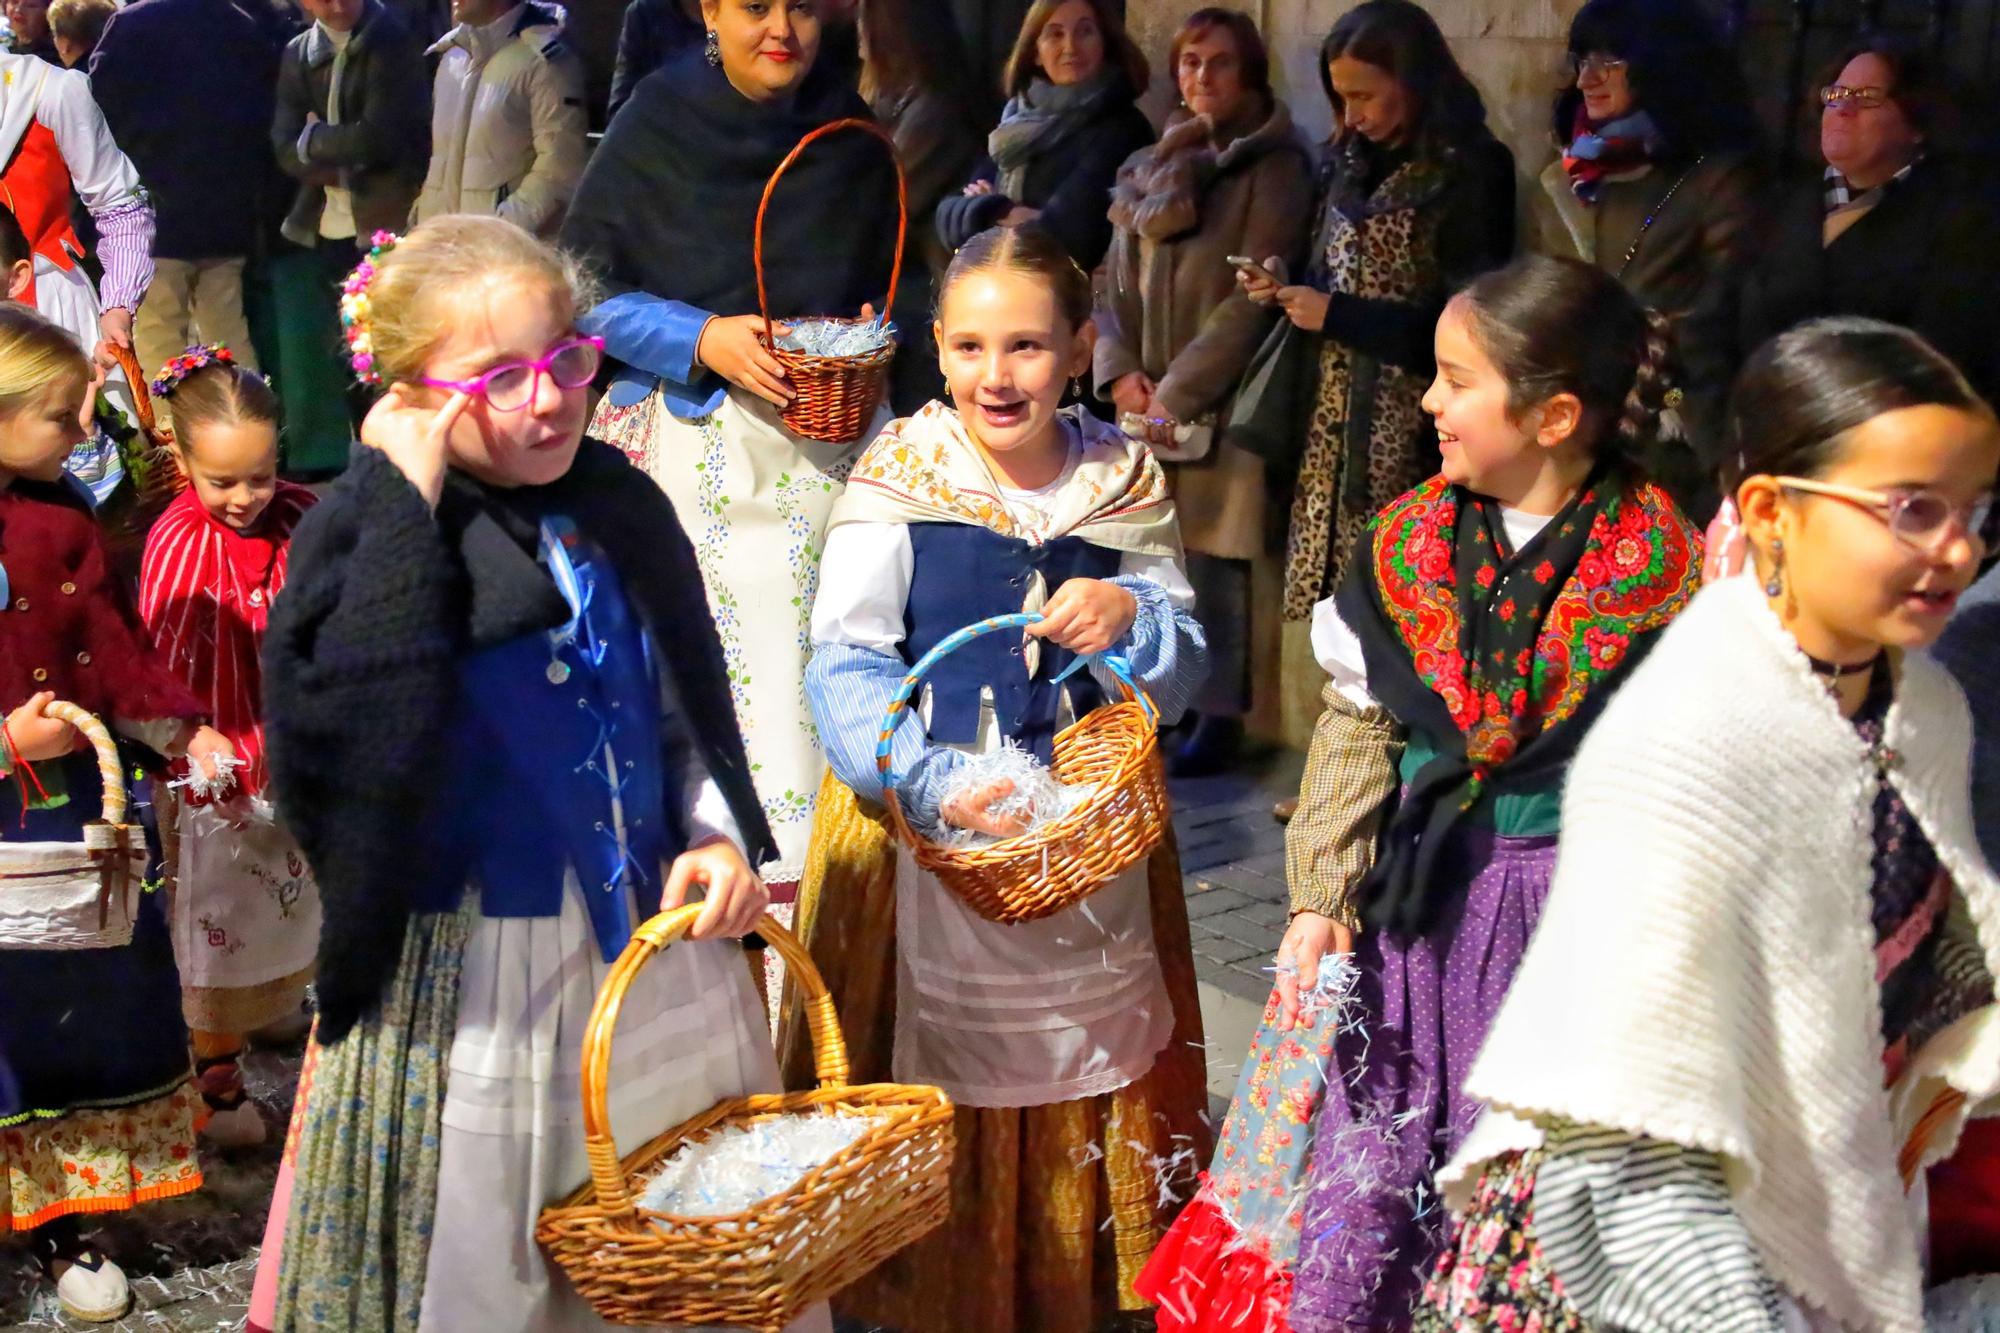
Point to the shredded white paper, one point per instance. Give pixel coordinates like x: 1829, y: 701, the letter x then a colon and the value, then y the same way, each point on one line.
x: 740, y: 1166
x: 834, y: 337
x: 1037, y: 797
x: 1969, y: 1305
x: 206, y: 788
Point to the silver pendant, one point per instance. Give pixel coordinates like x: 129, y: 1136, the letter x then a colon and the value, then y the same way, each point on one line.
x: 558, y: 671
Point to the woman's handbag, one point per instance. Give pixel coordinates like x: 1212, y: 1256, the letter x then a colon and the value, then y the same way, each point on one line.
x: 1273, y: 404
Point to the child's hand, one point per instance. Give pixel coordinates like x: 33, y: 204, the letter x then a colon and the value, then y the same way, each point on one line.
x: 973, y: 809
x: 35, y: 735
x: 1309, y: 938
x: 1087, y: 616
x: 86, y: 415
x: 414, y: 438
x: 205, y: 748
x: 733, y: 898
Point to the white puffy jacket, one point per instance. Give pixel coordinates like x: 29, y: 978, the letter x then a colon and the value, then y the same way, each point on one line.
x: 507, y: 120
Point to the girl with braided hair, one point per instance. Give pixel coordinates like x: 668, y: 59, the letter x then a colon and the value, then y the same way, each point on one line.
x: 1490, y: 613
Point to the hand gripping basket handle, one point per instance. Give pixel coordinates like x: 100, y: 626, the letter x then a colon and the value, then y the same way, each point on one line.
x: 100, y: 740
x: 142, y: 400
x: 893, y: 717
x: 902, y: 212
x: 607, y: 1173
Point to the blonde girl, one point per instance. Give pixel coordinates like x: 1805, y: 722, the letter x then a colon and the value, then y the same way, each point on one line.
x: 102, y: 1116
x: 500, y: 728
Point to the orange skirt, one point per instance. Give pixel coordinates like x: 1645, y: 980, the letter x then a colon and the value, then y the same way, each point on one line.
x: 99, y: 1161
x: 1054, y: 1208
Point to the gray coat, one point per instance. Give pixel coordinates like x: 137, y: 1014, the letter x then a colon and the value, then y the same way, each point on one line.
x: 1970, y: 650
x: 381, y: 146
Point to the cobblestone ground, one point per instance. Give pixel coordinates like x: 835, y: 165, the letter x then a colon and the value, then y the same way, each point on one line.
x: 192, y: 1260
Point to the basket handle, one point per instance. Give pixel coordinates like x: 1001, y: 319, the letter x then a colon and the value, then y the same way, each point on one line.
x: 108, y: 766
x: 893, y: 716
x: 829, y: 1049
x: 902, y: 213
x: 142, y: 399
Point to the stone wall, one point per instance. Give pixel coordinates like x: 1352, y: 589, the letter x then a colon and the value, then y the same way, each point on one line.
x: 1512, y: 49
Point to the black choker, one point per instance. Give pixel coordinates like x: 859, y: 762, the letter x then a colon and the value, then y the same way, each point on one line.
x: 1836, y: 670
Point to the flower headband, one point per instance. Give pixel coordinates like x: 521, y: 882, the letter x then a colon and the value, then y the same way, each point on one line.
x: 354, y: 312
x: 187, y: 363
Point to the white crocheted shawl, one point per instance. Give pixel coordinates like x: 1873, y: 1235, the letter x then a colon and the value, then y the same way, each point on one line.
x: 1705, y: 970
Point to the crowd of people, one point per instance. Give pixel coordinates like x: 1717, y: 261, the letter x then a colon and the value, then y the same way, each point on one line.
x: 1622, y: 572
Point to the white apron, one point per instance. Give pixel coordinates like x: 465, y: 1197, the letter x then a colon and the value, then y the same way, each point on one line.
x: 246, y: 907
x: 1029, y: 1014
x: 691, y: 1034
x: 754, y: 499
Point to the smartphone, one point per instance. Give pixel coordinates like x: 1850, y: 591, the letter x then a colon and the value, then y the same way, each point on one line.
x: 1246, y: 263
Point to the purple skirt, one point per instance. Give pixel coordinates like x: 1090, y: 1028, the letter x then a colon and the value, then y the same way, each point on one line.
x: 1397, y: 1111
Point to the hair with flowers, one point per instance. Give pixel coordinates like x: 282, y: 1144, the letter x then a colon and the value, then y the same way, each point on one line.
x: 354, y: 308
x: 187, y: 363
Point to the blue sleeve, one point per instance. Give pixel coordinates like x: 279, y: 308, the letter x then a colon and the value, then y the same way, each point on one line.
x: 849, y: 690
x: 1166, y: 647
x: 650, y: 333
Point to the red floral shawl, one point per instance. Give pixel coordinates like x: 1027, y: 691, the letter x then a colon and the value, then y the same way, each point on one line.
x: 1500, y: 658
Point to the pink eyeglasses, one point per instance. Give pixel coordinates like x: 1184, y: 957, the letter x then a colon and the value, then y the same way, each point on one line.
x: 510, y: 386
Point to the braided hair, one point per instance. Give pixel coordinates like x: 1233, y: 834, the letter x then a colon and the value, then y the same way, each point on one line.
x: 1553, y: 326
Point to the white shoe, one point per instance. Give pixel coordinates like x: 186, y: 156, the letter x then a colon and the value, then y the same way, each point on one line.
x: 93, y: 1288
x: 238, y: 1127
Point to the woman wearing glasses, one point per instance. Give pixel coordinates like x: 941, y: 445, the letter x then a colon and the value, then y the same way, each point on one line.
x: 1895, y: 230
x: 1655, y: 182
x: 1760, y: 999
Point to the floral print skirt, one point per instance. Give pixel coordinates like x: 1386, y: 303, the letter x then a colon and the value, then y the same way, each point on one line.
x: 99, y: 1161
x: 1493, y: 1274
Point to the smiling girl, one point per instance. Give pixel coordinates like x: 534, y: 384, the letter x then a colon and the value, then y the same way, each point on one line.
x: 500, y: 728
x: 1064, y: 1042
x: 1489, y: 615
x: 1769, y: 951
x: 214, y: 564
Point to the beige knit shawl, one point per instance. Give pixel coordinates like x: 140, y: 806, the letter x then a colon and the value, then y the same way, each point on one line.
x: 1705, y: 971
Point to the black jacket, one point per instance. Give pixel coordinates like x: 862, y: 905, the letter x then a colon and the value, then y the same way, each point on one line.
x: 382, y: 602
x: 1071, y: 185
x: 187, y: 88
x: 1924, y: 257
x: 381, y: 147
x: 654, y: 31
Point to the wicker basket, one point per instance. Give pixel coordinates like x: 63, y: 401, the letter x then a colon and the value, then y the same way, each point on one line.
x: 759, y: 1269
x: 1043, y: 871
x: 836, y: 396
x: 76, y: 895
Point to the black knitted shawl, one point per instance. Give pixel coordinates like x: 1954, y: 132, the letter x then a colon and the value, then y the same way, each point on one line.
x: 382, y: 602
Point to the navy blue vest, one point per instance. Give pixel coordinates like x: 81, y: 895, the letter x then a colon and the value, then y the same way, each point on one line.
x: 532, y: 793
x: 965, y: 573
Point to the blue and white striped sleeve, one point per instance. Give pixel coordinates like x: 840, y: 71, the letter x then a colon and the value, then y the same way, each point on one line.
x: 1166, y: 645
x: 857, y: 628
x: 1645, y: 1239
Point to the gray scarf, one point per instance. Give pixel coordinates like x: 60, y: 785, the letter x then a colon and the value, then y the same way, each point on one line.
x: 1044, y: 117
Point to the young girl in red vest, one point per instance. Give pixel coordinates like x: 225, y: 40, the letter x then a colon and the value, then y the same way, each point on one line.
x: 104, y: 1116
x: 245, y: 910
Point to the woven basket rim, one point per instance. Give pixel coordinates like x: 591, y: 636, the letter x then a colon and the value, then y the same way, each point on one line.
x: 1111, y: 788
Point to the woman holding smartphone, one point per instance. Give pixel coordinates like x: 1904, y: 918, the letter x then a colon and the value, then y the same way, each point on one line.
x: 1229, y: 177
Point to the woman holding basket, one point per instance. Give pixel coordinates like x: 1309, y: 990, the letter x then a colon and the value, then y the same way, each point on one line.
x: 668, y: 212
x: 1070, y: 1042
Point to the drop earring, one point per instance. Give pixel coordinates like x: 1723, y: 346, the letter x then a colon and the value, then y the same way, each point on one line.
x: 1076, y: 387
x: 712, y: 48
x: 1776, y: 583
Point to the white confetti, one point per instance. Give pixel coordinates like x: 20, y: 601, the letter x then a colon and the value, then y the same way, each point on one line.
x: 739, y: 1166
